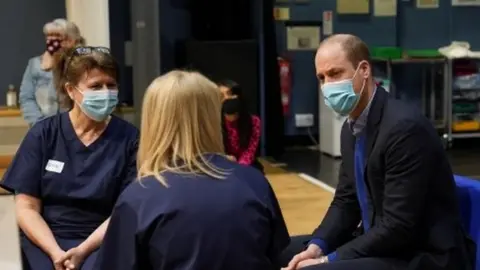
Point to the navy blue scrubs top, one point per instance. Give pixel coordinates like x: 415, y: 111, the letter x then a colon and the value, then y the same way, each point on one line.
x: 77, y: 184
x: 197, y: 222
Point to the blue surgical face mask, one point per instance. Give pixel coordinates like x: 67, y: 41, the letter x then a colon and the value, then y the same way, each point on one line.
x: 99, y: 104
x: 340, y: 96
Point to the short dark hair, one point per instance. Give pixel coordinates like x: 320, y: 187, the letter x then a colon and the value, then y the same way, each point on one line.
x: 71, y: 66
x: 355, y: 49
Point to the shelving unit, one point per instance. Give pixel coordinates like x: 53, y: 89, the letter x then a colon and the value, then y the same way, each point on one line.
x: 444, y: 122
x: 469, y: 95
x: 429, y: 98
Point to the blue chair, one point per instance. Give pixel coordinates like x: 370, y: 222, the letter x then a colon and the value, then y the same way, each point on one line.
x: 468, y: 192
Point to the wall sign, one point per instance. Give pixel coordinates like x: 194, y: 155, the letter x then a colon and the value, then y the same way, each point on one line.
x: 353, y: 6
x: 281, y: 13
x: 465, y: 2
x: 327, y: 22
x: 385, y: 8
x: 305, y: 38
x: 427, y: 4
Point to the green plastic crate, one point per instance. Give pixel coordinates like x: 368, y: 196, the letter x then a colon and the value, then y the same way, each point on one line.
x: 386, y: 52
x: 431, y: 53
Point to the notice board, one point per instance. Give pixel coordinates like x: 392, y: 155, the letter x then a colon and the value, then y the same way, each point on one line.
x: 353, y: 6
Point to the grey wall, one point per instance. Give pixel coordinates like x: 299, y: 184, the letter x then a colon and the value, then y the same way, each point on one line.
x: 21, y: 24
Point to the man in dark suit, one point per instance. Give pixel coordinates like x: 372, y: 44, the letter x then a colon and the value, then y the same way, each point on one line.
x: 394, y: 206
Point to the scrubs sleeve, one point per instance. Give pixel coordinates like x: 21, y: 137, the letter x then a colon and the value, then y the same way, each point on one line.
x: 23, y: 176
x: 131, y: 170
x: 280, y: 236
x: 120, y: 247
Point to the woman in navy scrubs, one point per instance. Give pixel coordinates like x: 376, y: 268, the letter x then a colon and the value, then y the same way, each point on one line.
x: 192, y: 208
x: 71, y: 167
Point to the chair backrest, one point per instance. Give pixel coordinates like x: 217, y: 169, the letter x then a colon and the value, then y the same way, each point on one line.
x: 468, y: 193
x: 10, y: 252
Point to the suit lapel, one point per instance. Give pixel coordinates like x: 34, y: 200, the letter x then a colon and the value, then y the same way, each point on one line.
x: 374, y: 116
x: 373, y: 120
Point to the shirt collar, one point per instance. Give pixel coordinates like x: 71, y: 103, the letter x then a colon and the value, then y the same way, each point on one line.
x: 358, y: 125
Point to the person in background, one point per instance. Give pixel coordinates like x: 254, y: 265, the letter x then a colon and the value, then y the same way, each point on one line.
x: 192, y: 208
x: 241, y: 130
x: 37, y: 95
x: 71, y: 167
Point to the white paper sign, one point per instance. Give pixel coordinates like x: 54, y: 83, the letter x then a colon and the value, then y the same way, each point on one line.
x: 303, y: 37
x: 10, y: 253
x: 327, y: 23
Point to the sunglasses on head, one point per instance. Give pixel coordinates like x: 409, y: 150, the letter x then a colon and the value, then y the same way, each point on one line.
x: 89, y: 49
x: 84, y: 50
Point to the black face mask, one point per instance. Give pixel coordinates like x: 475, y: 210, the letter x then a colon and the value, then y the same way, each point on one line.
x: 54, y: 45
x: 231, y: 106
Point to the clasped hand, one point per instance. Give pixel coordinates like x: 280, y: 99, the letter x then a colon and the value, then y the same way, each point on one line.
x: 70, y: 260
x: 310, y: 256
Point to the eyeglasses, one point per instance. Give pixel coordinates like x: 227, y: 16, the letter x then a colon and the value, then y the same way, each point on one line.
x: 84, y: 50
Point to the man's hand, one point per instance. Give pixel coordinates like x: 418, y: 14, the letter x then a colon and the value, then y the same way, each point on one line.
x: 311, y: 262
x: 312, y: 252
x: 73, y: 258
x: 232, y: 158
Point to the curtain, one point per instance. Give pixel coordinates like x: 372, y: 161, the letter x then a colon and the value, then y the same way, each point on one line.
x: 273, y: 120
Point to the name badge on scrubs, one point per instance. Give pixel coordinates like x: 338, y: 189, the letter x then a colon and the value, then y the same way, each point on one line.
x: 54, y: 166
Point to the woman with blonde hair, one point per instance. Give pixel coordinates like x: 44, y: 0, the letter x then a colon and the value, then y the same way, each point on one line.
x: 37, y: 92
x: 191, y: 208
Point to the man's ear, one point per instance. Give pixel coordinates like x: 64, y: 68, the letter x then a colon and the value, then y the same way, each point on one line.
x: 366, y: 70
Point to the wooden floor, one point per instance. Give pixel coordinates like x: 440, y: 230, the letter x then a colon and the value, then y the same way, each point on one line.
x: 4, y: 162
x: 2, y: 171
x: 303, y: 204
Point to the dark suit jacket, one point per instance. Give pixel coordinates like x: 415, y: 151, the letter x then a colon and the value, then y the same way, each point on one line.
x: 413, y: 210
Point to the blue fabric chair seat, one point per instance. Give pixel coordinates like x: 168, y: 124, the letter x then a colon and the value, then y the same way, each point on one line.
x: 468, y: 191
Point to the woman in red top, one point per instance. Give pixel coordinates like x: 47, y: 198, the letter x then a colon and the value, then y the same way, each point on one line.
x: 241, y: 130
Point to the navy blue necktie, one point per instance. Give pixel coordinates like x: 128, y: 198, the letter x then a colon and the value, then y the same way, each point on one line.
x: 360, y: 180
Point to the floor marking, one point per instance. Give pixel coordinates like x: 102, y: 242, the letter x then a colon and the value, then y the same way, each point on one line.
x: 278, y: 165
x: 316, y: 182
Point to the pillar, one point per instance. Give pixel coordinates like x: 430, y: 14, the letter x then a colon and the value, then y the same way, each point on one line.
x: 91, y: 16
x: 145, y: 48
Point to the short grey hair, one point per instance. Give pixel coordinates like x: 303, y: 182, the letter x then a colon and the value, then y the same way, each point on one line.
x: 66, y: 28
